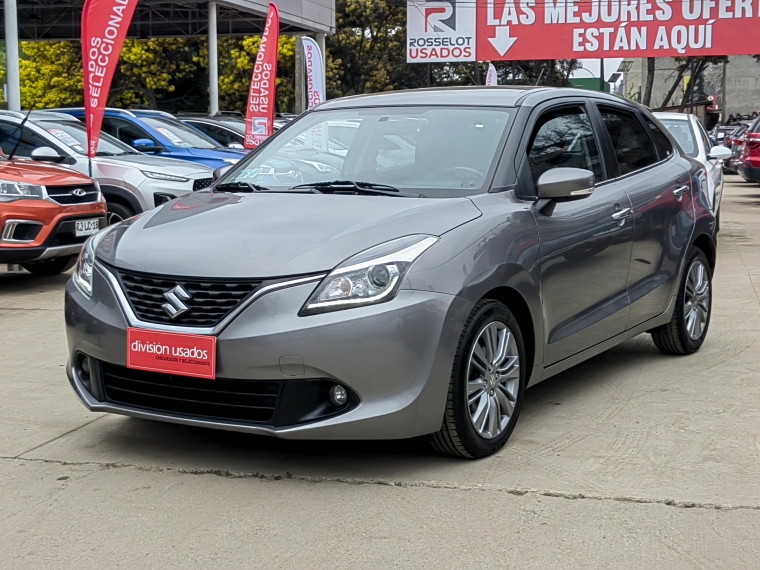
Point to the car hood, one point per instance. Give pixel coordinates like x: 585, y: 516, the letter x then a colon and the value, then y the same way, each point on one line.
x: 158, y: 163
x: 271, y: 235
x: 29, y: 172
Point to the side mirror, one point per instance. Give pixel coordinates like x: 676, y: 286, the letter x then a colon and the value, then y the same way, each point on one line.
x: 719, y: 153
x: 219, y: 172
x: 235, y: 145
x: 46, y: 154
x: 565, y: 184
x: 146, y: 145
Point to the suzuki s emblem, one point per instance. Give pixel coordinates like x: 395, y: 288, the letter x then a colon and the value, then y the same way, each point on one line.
x: 79, y: 192
x: 176, y: 305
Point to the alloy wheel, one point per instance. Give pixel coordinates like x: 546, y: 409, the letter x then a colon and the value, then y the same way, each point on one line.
x: 696, y: 300
x: 493, y: 379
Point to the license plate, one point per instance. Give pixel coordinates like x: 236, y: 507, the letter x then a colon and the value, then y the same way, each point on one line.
x: 86, y: 227
x: 172, y: 353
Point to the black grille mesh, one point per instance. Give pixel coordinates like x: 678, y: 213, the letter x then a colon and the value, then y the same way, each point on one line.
x: 202, y: 183
x: 63, y: 194
x: 209, y: 303
x: 240, y: 400
x: 26, y: 232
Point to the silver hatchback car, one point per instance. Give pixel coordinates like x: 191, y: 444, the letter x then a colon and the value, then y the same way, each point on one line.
x: 471, y: 242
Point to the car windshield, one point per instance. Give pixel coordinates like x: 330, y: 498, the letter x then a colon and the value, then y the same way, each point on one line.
x: 74, y: 135
x: 683, y: 133
x: 237, y: 125
x: 439, y: 151
x: 179, y: 134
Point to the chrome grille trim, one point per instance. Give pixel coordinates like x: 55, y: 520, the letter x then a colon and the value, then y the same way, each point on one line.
x: 134, y: 321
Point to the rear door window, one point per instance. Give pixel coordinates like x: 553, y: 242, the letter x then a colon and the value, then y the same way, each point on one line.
x: 666, y: 148
x: 124, y: 130
x: 634, y: 149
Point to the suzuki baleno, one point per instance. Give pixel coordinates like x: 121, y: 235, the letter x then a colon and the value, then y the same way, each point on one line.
x: 460, y: 245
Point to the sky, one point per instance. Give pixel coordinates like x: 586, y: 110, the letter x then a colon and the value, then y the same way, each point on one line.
x: 591, y: 68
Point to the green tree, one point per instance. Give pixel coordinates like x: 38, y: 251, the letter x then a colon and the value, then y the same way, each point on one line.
x: 51, y: 74
x: 236, y: 66
x: 150, y: 72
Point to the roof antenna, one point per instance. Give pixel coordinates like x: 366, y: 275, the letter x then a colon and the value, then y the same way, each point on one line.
x: 21, y: 133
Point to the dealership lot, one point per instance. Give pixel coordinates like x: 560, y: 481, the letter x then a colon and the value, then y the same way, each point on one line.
x: 632, y: 458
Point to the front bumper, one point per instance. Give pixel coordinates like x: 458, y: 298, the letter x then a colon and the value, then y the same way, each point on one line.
x: 60, y: 241
x: 395, y: 359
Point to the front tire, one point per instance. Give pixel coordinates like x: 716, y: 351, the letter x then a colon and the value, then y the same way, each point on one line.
x: 687, y: 329
x: 52, y: 267
x: 487, y: 384
x: 118, y: 212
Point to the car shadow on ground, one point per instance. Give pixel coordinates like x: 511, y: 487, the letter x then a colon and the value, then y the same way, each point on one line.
x: 210, y: 449
x: 21, y: 281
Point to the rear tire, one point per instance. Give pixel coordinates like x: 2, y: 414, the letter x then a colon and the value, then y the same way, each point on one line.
x: 687, y: 329
x: 118, y: 212
x: 52, y: 267
x: 487, y: 384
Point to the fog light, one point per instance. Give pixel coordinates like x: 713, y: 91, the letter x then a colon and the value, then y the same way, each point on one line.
x: 83, y: 371
x: 338, y: 395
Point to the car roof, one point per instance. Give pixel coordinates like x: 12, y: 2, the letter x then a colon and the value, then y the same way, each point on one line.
x: 674, y: 116
x: 38, y: 116
x: 475, y: 95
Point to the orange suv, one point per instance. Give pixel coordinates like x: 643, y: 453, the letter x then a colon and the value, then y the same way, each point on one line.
x: 46, y: 214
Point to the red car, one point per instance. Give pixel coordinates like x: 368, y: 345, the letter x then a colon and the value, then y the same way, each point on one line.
x: 46, y: 214
x: 749, y: 165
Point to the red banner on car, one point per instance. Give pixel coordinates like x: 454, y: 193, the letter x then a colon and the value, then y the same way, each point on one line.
x: 172, y: 353
x: 259, y: 115
x: 104, y: 28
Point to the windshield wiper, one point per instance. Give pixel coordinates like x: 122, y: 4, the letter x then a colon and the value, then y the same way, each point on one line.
x: 239, y: 187
x: 350, y: 186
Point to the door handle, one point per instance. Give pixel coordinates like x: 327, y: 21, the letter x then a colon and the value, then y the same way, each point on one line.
x: 622, y: 214
x: 681, y: 190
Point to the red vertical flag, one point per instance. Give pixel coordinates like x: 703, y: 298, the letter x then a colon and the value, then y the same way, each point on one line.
x: 259, y: 114
x: 104, y: 28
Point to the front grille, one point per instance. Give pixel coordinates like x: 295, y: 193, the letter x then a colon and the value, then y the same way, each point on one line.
x: 63, y: 194
x: 209, y: 303
x: 240, y: 400
x: 202, y: 183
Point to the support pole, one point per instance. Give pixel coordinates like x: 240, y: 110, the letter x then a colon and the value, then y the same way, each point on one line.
x: 300, y: 77
x: 691, y: 87
x: 724, y: 95
x: 213, y: 61
x: 13, y: 89
x: 601, y: 75
x: 320, y: 39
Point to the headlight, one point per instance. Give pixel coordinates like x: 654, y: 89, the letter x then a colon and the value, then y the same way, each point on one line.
x: 167, y: 177
x: 11, y: 191
x: 86, y: 261
x: 373, y: 276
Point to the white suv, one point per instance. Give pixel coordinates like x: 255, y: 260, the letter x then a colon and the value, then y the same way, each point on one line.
x: 131, y: 182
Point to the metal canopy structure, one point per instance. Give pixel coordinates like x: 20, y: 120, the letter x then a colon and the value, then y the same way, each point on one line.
x: 57, y: 20
x: 60, y: 19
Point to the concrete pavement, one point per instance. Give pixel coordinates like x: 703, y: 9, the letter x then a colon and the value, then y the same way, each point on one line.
x: 633, y: 458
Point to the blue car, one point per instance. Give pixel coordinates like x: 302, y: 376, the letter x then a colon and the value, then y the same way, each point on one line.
x: 159, y: 133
